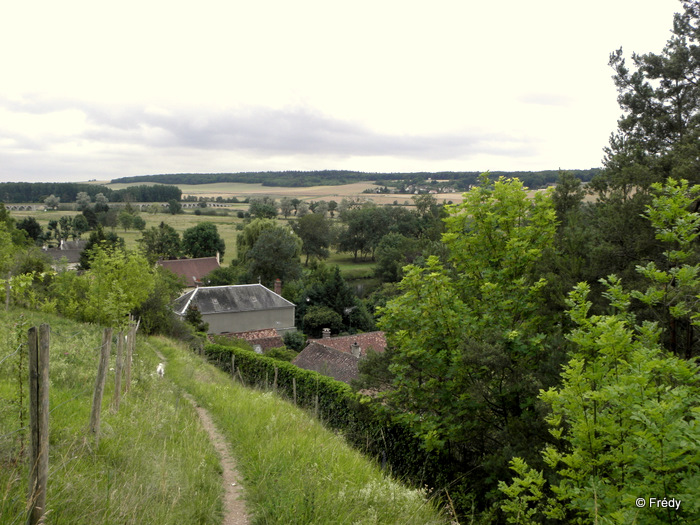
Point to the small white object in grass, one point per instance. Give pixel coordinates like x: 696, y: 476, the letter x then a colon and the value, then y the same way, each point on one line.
x: 160, y: 370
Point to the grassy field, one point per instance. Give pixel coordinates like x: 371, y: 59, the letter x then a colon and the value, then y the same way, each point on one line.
x: 154, y: 462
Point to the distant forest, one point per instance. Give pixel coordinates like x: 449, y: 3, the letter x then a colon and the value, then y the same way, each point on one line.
x: 16, y: 192
x: 292, y: 179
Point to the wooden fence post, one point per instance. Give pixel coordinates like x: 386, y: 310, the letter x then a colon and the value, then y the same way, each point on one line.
x: 118, y: 369
x: 274, y: 383
x: 294, y: 389
x: 233, y: 365
x: 39, y: 421
x: 100, y: 382
x: 130, y: 344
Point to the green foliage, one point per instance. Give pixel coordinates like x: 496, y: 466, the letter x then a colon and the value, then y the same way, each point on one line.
x: 202, y: 240
x: 99, y: 240
x: 294, y: 340
x: 281, y: 354
x: 162, y: 242
x: 317, y: 318
x: 194, y: 317
x: 275, y: 255
x: 314, y: 230
x: 626, y: 419
x: 155, y: 311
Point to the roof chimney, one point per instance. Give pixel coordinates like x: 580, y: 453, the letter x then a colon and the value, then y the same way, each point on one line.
x: 355, y: 349
x: 278, y: 287
x: 326, y: 333
x: 218, y: 258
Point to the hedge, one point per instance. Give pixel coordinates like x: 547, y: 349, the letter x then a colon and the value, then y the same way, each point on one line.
x: 364, y: 422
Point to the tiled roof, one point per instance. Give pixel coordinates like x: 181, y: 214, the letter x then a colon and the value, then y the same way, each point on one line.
x: 267, y: 338
x: 191, y: 269
x: 374, y: 340
x: 328, y: 361
x: 233, y: 298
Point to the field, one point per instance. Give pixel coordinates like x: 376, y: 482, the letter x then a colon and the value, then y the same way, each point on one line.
x: 311, y: 193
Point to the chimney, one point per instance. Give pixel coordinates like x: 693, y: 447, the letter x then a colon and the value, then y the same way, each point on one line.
x: 278, y: 287
x: 355, y: 349
x: 218, y: 258
x: 326, y: 333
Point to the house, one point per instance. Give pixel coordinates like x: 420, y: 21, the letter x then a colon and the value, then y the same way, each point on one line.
x: 365, y: 341
x: 239, y: 308
x: 338, y: 357
x: 68, y: 252
x: 260, y: 340
x: 328, y: 361
x: 192, y: 270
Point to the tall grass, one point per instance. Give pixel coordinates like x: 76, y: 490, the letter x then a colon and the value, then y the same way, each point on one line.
x: 153, y: 464
x: 295, y: 470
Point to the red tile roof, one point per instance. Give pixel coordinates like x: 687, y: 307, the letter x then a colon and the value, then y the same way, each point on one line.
x: 267, y: 338
x: 191, y: 269
x: 374, y: 340
x: 328, y: 361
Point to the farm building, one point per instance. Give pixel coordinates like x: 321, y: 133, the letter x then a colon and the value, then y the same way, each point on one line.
x: 239, y: 308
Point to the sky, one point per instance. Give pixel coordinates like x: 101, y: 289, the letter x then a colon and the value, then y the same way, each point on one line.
x: 100, y: 90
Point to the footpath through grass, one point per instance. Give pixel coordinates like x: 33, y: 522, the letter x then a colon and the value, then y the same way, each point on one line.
x: 295, y: 471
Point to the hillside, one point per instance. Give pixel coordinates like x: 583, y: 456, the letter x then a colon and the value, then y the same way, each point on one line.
x: 154, y: 461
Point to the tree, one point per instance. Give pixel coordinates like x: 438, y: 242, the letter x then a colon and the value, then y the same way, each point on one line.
x: 263, y: 207
x: 203, y: 240
x: 275, y: 255
x: 394, y: 251
x: 174, y: 207
x: 625, y: 418
x: 659, y: 131
x: 108, y: 241
x: 469, y: 339
x: 138, y: 223
x: 315, y: 233
x: 101, y: 203
x: 52, y: 202
x: 125, y: 219
x: 250, y: 234
x: 80, y: 225
x: 162, y: 242
x: 119, y: 282
x: 32, y: 227
x: 82, y: 200
x: 91, y: 218
x: 286, y: 206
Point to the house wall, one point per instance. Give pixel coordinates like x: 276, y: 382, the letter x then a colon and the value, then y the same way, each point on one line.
x: 281, y: 319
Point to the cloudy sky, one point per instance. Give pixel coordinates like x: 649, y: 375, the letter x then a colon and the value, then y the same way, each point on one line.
x: 98, y: 90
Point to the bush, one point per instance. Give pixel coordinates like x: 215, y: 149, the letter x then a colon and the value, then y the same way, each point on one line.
x: 281, y: 354
x: 294, y: 340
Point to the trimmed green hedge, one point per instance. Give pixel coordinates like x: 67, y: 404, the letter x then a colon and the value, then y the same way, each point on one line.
x: 365, y: 423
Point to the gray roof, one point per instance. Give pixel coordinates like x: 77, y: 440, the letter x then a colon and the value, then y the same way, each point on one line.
x: 234, y: 298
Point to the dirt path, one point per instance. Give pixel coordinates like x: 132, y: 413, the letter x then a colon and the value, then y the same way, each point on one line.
x: 234, y: 507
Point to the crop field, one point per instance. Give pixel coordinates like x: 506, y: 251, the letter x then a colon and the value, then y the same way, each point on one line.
x: 311, y: 193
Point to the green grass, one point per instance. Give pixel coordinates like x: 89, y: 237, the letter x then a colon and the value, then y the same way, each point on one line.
x: 153, y: 463
x: 295, y: 471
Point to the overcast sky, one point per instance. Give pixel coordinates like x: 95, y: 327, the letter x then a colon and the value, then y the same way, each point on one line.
x: 91, y: 90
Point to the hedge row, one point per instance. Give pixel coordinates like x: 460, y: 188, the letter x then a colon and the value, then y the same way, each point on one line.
x: 366, y: 424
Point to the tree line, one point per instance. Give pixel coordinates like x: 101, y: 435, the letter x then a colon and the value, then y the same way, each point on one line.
x: 67, y: 192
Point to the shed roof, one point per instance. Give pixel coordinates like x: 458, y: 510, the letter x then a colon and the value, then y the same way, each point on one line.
x: 191, y: 269
x: 328, y: 361
x: 233, y: 298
